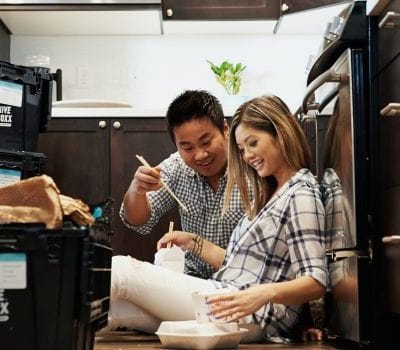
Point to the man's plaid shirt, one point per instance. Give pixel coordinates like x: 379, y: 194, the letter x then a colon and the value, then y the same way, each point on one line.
x: 204, y: 209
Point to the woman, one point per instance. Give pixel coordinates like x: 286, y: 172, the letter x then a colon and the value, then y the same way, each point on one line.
x: 275, y: 260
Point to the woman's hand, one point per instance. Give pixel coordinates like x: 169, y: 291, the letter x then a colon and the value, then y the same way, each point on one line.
x: 209, y: 252
x: 182, y: 239
x: 236, y: 305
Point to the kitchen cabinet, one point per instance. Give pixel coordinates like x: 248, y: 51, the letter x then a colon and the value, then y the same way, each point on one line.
x: 387, y: 82
x: 389, y: 58
x: 385, y: 123
x: 100, y: 17
x: 93, y: 159
x: 293, y: 6
x: 237, y: 9
x: 220, y: 9
x: 4, y: 43
x: 389, y: 33
x: 389, y: 108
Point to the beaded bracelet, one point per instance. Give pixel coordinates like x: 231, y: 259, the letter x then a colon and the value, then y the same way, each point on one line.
x: 198, y: 244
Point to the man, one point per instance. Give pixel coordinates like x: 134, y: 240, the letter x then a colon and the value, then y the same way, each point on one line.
x: 196, y: 174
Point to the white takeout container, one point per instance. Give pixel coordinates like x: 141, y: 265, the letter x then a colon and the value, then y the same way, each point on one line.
x: 193, y: 335
x: 170, y: 258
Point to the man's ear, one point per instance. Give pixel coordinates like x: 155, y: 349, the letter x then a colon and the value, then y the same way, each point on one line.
x: 226, y: 128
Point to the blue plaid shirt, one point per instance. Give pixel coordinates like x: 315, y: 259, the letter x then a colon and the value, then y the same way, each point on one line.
x: 284, y: 241
x: 204, y: 209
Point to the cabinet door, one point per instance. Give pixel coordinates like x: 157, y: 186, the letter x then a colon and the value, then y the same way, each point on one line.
x: 93, y: 159
x: 4, y: 42
x: 147, y: 137
x: 389, y: 33
x: 78, y: 157
x: 388, y: 78
x: 220, y: 9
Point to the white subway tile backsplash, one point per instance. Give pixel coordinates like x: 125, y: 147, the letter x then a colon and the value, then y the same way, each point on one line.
x: 148, y: 71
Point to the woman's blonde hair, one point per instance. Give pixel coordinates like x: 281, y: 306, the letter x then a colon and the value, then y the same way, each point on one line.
x: 270, y: 114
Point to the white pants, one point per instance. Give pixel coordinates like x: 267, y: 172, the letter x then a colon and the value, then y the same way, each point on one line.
x: 157, y: 294
x: 165, y: 294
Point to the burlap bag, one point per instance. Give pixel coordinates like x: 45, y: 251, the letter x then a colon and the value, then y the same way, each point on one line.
x: 38, y: 200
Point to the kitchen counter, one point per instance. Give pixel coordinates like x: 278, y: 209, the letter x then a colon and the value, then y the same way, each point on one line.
x: 95, y: 108
x: 104, y: 112
x: 96, y: 112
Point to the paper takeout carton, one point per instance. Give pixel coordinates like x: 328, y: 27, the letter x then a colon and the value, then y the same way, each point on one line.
x: 171, y: 258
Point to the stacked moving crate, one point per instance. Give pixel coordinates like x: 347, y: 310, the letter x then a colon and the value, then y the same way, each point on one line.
x: 54, y: 284
x: 54, y: 287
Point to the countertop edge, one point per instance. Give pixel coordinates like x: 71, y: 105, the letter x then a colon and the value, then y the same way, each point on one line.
x: 107, y: 112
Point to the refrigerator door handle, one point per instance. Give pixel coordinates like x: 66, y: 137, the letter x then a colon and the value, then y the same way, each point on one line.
x: 336, y: 255
x: 330, y: 75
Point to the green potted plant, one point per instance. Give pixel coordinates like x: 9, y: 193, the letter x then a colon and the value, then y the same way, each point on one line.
x: 228, y: 75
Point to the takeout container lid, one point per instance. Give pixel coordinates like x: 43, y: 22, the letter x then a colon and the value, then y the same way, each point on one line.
x: 194, y: 335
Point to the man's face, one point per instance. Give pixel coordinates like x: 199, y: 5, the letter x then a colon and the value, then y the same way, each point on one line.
x: 202, y: 146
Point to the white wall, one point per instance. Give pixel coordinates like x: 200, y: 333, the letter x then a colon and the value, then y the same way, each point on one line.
x: 149, y: 71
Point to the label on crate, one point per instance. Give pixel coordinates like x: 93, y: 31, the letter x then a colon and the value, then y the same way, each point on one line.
x: 4, y: 311
x: 12, y: 271
x: 11, y: 95
x: 8, y: 176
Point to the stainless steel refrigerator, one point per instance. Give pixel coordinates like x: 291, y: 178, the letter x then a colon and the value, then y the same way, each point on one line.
x: 337, y: 100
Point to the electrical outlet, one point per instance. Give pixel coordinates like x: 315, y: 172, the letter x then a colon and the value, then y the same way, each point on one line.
x: 83, y: 78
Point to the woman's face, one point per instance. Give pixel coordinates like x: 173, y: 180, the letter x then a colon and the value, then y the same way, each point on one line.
x: 260, y: 150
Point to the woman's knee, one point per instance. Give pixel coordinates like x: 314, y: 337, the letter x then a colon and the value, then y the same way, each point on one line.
x: 119, y: 267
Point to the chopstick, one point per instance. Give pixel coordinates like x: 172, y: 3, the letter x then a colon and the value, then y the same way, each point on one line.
x: 171, y: 228
x: 144, y: 162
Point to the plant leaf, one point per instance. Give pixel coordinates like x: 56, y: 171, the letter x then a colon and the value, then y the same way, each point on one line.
x: 228, y: 75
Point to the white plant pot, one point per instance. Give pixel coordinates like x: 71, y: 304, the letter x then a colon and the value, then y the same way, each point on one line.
x: 231, y: 102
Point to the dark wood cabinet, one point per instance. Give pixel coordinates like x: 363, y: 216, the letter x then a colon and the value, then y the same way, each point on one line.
x: 389, y: 59
x: 220, y: 9
x: 4, y: 42
x: 292, y: 6
x: 237, y: 9
x: 385, y: 124
x: 388, y: 92
x: 389, y: 34
x: 93, y: 159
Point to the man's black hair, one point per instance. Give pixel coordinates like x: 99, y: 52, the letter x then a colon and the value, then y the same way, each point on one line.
x: 194, y: 104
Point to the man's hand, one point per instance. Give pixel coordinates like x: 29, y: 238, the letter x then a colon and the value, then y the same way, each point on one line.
x: 146, y: 179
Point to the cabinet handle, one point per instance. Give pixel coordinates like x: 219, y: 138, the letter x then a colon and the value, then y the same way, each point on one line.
x: 389, y: 20
x: 102, y: 124
x: 284, y: 7
x: 391, y: 110
x: 117, y: 125
x: 395, y: 239
x: 169, y: 13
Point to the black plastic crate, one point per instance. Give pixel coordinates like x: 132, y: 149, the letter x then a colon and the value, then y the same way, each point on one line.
x: 95, y: 281
x: 54, y: 287
x: 25, y: 105
x: 19, y: 165
x: 103, y: 213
